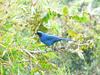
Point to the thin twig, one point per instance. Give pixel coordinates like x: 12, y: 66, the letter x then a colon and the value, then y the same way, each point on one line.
x: 28, y: 52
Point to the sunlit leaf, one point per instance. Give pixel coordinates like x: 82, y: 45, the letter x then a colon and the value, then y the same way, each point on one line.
x: 65, y: 10
x: 43, y: 28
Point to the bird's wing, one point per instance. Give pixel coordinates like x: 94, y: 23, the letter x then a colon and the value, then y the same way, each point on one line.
x: 50, y: 40
x: 53, y: 38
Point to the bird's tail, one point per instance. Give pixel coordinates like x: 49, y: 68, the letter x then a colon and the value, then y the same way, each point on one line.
x: 67, y: 39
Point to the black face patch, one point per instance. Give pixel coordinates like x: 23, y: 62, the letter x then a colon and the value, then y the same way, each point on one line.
x: 39, y: 34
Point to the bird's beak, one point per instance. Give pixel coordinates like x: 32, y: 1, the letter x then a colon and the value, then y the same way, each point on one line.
x: 35, y: 33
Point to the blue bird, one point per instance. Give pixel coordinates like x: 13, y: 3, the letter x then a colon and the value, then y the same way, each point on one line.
x: 50, y: 39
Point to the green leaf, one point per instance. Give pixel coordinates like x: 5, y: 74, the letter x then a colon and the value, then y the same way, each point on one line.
x: 83, y: 19
x: 43, y: 28
x: 65, y: 10
x: 50, y: 14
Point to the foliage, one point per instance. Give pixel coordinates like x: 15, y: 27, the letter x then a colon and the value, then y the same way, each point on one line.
x: 22, y: 53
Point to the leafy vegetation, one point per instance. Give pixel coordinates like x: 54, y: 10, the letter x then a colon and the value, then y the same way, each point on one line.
x: 21, y: 52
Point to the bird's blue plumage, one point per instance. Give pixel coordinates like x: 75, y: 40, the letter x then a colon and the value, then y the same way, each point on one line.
x: 50, y: 39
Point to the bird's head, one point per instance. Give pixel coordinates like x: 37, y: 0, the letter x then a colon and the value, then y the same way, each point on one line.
x: 39, y: 33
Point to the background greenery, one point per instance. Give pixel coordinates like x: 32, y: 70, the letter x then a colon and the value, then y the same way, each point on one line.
x: 21, y: 52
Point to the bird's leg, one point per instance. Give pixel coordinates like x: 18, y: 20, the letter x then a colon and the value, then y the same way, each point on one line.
x: 62, y: 45
x: 55, y: 47
x: 52, y: 47
x: 46, y: 47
